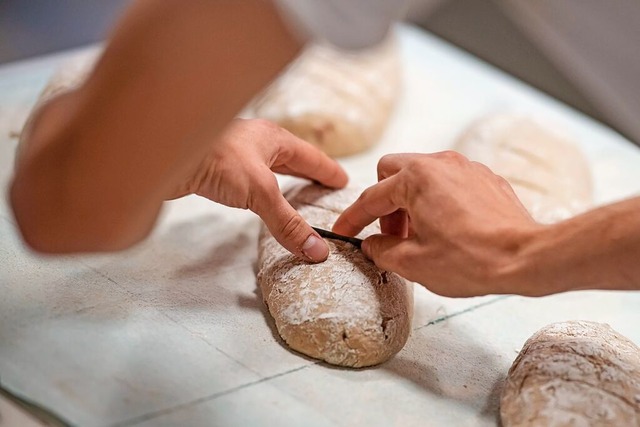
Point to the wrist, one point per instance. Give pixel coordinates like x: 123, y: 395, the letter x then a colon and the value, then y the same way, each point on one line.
x: 527, y: 266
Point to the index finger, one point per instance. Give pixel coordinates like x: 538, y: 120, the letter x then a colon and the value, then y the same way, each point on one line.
x: 383, y: 198
x: 300, y: 158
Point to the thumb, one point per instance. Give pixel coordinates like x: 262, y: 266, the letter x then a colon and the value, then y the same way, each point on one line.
x: 292, y: 231
x: 388, y: 252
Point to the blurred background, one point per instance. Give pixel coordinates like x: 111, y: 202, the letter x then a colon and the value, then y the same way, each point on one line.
x: 583, y: 52
x: 34, y: 27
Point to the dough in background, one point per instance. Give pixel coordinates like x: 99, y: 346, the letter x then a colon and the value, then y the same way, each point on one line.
x: 339, y: 101
x: 548, y: 172
x: 345, y: 310
x: 574, y: 373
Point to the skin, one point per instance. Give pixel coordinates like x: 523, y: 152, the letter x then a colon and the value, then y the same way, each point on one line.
x: 455, y: 227
x: 152, y: 122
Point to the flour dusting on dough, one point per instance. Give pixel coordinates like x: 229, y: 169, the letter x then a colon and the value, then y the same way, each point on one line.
x: 344, y: 311
x: 573, y: 374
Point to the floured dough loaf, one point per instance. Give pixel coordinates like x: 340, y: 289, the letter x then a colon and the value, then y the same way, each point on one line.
x: 574, y: 374
x: 548, y: 172
x: 345, y: 310
x: 339, y: 101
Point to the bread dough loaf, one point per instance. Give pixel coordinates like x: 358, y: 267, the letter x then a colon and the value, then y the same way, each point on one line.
x: 546, y: 170
x: 344, y: 311
x: 339, y: 101
x: 574, y: 374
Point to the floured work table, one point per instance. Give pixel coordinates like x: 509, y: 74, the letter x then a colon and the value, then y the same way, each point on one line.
x: 174, y: 331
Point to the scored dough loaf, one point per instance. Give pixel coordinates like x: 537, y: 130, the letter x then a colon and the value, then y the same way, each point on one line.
x: 339, y: 101
x: 574, y: 374
x: 547, y: 171
x: 345, y: 310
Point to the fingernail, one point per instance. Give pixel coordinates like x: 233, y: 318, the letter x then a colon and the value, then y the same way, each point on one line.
x: 315, y: 248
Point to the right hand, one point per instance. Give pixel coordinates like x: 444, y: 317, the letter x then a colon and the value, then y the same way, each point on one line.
x: 448, y: 223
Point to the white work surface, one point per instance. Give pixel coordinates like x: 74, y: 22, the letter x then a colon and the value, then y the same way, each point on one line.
x: 174, y: 331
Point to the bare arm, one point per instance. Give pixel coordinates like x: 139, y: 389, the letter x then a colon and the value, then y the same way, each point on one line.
x: 459, y: 230
x: 599, y: 249
x: 101, y: 160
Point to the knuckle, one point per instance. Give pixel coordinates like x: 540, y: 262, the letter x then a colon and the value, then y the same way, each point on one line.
x: 378, y: 255
x: 365, y: 195
x: 503, y: 182
x: 452, y: 156
x: 292, y: 228
x: 384, y: 161
x: 396, y: 257
x: 418, y: 166
x: 415, y: 166
x: 480, y: 166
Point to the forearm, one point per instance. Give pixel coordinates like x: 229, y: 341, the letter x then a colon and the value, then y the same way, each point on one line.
x: 597, y: 250
x: 99, y: 162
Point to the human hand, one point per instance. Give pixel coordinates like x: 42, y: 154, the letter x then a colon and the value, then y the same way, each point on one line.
x: 238, y: 171
x: 448, y: 223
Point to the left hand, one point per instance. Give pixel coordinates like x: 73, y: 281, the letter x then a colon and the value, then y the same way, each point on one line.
x: 238, y: 171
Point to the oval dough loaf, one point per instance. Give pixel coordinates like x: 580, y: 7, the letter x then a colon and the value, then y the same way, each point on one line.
x: 339, y: 101
x: 546, y: 170
x: 344, y: 311
x: 574, y: 374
